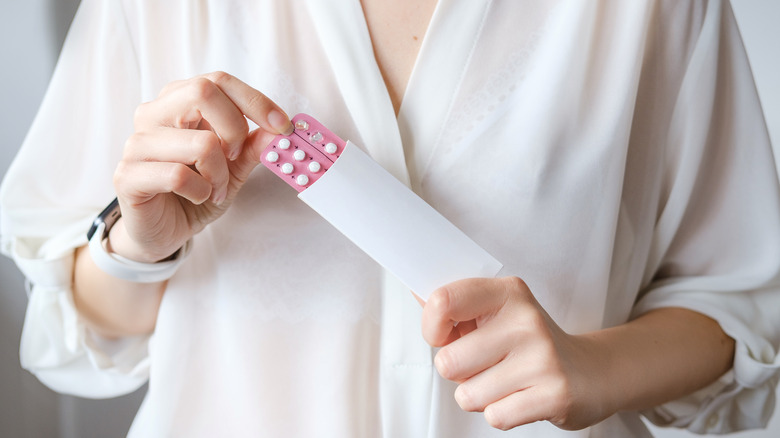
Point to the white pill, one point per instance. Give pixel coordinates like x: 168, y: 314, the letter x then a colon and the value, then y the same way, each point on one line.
x: 272, y: 157
x: 316, y: 137
x: 284, y: 144
x: 287, y: 168
x: 301, y: 125
x: 299, y: 155
x: 314, y: 167
x: 302, y: 180
x: 331, y: 148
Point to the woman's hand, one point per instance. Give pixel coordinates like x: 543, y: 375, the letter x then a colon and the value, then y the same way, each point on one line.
x: 509, y: 357
x: 515, y: 364
x: 189, y: 156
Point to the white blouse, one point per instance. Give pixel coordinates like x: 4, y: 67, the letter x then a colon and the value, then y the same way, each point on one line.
x: 611, y: 153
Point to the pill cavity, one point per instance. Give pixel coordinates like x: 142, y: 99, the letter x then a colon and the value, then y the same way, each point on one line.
x: 287, y: 168
x: 284, y: 144
x: 299, y: 155
x: 302, y: 180
x: 301, y: 125
x: 316, y: 137
x: 314, y: 167
x: 331, y: 148
x: 272, y: 157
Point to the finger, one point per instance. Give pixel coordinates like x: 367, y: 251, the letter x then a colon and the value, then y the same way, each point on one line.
x: 465, y: 327
x: 497, y: 381
x: 252, y: 150
x: 253, y: 104
x: 201, y: 149
x: 464, y: 300
x: 473, y: 353
x: 138, y: 182
x: 187, y: 105
x: 458, y: 329
x: 206, y: 126
x: 521, y: 407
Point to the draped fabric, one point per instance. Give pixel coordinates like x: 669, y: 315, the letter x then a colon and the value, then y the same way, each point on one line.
x: 611, y: 153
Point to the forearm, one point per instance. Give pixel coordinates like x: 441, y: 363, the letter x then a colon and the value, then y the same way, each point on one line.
x: 661, y: 356
x: 189, y: 156
x: 113, y: 307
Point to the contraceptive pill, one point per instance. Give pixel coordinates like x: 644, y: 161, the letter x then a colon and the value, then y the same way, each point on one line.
x: 302, y: 157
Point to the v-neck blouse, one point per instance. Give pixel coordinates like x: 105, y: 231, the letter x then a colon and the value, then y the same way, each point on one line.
x: 611, y: 153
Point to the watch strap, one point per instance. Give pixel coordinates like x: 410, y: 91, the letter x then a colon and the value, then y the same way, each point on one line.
x: 122, y: 267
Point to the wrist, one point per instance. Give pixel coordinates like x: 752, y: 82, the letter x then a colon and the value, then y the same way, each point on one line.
x: 646, y: 362
x: 604, y: 377
x: 123, y: 258
x: 120, y: 243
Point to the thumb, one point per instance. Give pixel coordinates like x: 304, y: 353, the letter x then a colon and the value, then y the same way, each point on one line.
x: 251, y: 151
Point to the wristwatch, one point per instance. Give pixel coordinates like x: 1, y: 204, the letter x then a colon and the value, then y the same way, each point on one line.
x: 124, y: 268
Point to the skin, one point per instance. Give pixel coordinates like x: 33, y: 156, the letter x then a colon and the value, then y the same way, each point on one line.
x: 397, y: 29
x: 168, y: 194
x: 514, y: 363
x: 510, y: 359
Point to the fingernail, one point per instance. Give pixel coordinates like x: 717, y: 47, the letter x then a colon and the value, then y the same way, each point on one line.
x: 219, y: 198
x: 234, y: 154
x: 280, y: 122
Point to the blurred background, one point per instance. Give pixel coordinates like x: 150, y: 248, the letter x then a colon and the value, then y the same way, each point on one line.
x: 31, y: 35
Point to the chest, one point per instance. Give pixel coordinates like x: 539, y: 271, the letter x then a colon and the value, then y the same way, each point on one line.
x: 397, y: 30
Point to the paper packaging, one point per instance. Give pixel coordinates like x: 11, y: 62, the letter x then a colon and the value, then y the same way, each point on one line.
x: 395, y: 226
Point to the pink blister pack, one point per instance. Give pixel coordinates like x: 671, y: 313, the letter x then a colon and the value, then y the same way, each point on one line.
x: 397, y: 228
x: 302, y: 157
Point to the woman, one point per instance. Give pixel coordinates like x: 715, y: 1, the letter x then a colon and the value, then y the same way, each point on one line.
x: 612, y: 155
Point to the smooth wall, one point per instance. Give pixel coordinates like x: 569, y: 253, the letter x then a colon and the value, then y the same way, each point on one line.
x: 31, y: 32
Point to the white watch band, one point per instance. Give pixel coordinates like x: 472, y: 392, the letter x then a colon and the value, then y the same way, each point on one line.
x: 130, y: 270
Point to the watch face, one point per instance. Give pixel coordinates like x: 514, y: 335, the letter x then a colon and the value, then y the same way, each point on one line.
x: 108, y: 216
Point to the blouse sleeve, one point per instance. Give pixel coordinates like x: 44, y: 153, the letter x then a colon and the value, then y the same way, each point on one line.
x: 716, y: 247
x: 60, y: 179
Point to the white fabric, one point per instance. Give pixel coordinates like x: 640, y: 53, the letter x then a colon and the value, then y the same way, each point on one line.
x: 612, y: 154
x: 131, y: 270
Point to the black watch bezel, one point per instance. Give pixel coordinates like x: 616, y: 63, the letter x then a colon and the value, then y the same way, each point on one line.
x: 108, y: 216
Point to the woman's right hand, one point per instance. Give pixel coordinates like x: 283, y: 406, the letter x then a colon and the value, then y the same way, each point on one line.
x: 188, y: 158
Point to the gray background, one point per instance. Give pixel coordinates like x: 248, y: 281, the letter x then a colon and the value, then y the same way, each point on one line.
x: 31, y: 32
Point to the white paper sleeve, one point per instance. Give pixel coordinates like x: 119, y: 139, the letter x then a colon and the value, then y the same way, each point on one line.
x: 394, y: 226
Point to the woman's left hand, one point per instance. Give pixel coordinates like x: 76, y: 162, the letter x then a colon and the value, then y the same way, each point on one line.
x: 510, y: 359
